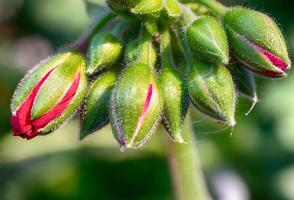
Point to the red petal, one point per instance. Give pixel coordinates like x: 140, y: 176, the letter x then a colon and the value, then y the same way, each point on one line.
x: 144, y: 111
x: 59, y: 108
x: 275, y: 60
x: 21, y: 122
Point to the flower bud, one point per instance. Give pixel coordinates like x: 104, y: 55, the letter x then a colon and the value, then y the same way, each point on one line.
x: 136, y: 106
x: 136, y: 51
x: 131, y: 52
x: 212, y: 91
x: 244, y: 81
x: 96, y: 109
x: 121, y: 7
x: 176, y: 102
x: 146, y: 6
x: 257, y: 42
x: 172, y: 8
x: 208, y: 41
x: 48, y: 95
x: 104, y: 50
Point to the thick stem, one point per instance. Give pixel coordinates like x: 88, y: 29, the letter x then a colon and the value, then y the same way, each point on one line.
x: 185, y: 167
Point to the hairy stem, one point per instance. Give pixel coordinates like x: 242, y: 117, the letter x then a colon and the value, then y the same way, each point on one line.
x: 185, y: 167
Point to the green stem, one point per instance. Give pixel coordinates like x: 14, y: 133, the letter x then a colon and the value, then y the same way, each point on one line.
x: 83, y: 40
x: 215, y: 6
x: 185, y: 167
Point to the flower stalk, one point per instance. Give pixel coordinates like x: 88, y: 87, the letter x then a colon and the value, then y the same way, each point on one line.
x: 185, y: 167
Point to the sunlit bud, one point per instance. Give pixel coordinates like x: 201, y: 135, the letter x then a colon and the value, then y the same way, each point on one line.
x: 48, y: 95
x: 96, y: 109
x: 104, y: 50
x: 208, y: 41
x: 136, y: 51
x: 146, y: 6
x: 172, y: 8
x: 257, y: 42
x: 131, y: 52
x: 136, y: 106
x: 212, y: 91
x: 176, y: 102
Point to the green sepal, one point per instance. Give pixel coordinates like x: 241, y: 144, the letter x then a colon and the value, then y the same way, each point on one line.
x: 131, y: 52
x: 122, y: 8
x: 172, y: 8
x: 104, y: 50
x: 151, y: 26
x: 176, y: 101
x: 208, y: 41
x: 140, y: 51
x: 128, y: 101
x: 96, y: 107
x: 146, y: 6
x: 244, y: 81
x: 211, y: 89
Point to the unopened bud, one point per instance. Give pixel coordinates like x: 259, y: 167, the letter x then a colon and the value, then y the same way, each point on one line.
x: 208, y: 41
x: 257, y: 42
x: 172, y: 8
x: 244, y: 81
x: 146, y: 6
x: 104, y: 50
x: 212, y: 91
x: 96, y: 109
x: 176, y: 102
x: 136, y: 106
x: 48, y: 95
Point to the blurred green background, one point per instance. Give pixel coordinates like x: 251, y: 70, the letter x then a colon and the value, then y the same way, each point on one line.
x: 253, y: 161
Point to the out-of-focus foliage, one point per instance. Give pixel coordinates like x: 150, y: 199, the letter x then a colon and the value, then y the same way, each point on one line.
x: 253, y: 161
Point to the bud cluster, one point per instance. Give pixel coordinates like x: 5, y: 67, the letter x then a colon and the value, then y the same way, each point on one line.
x: 142, y: 65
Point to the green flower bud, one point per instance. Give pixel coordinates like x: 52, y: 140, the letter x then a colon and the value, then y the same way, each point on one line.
x: 172, y: 8
x: 208, y: 41
x: 138, y: 52
x: 244, y: 81
x: 174, y: 90
x: 212, y: 91
x: 136, y: 106
x: 257, y: 42
x: 104, y: 50
x: 146, y: 6
x: 131, y: 52
x: 96, y: 109
x: 121, y: 7
x: 176, y: 101
x: 48, y: 95
x: 151, y: 26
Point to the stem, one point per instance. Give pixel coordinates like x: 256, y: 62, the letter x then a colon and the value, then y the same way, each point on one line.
x: 215, y: 6
x: 185, y: 167
x: 83, y: 40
